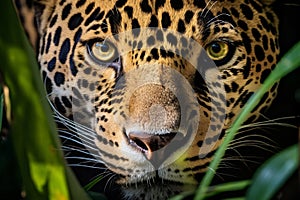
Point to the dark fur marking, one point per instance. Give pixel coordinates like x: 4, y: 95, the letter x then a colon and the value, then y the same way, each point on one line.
x: 247, y: 42
x: 264, y: 75
x: 145, y: 6
x: 200, y: 3
x: 57, y: 34
x: 89, y: 8
x: 64, y: 50
x: 59, y: 78
x: 159, y: 4
x: 181, y: 26
x: 176, y: 4
x: 66, y: 102
x: 80, y: 3
x: 153, y: 21
x: 129, y: 11
x: 53, y: 21
x: 51, y: 65
x: 188, y: 16
x: 66, y: 11
x: 165, y: 20
x: 75, y: 21
x: 114, y: 18
x: 120, y: 3
x: 247, y: 11
x: 92, y: 17
x: 135, y: 25
x: 59, y: 105
x: 49, y: 39
x: 256, y: 34
x: 259, y: 53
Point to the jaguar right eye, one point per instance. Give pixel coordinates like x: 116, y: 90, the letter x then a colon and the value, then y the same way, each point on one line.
x: 102, y: 51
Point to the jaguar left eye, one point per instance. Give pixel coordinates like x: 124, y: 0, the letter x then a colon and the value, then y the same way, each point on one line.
x: 217, y: 50
x: 220, y: 52
x: 103, y: 51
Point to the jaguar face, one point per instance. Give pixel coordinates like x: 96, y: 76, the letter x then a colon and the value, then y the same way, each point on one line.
x: 150, y: 87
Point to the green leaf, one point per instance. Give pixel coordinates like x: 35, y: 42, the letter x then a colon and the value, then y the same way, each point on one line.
x: 273, y: 174
x: 33, y: 130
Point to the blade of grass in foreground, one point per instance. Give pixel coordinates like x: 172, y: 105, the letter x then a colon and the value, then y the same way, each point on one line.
x: 91, y: 184
x: 231, y: 186
x: 287, y: 64
x: 33, y: 129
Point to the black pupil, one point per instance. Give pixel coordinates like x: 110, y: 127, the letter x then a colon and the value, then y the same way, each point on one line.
x: 216, y: 47
x: 104, y: 48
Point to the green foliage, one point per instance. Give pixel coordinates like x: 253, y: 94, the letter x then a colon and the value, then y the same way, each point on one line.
x: 33, y: 132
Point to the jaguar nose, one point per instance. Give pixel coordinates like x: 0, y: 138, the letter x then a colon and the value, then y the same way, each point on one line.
x: 149, y: 144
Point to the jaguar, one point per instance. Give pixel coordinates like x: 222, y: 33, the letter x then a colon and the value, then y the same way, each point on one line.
x: 149, y: 87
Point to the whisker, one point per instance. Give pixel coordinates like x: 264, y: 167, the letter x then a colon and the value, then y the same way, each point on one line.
x: 68, y: 148
x: 248, y: 159
x: 272, y: 122
x: 84, y: 159
x: 75, y: 138
x: 215, y: 19
x: 75, y: 127
x: 207, y: 10
x: 110, y: 180
x: 245, y: 138
x: 85, y: 166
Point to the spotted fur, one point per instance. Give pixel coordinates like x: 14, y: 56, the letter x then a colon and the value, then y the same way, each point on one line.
x: 127, y: 107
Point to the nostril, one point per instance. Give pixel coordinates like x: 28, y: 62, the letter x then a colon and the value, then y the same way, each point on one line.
x: 149, y: 142
x: 139, y: 143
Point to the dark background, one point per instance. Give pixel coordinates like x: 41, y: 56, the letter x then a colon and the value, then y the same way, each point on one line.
x: 288, y: 101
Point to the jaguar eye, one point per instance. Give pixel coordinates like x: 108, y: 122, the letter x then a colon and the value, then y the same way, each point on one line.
x: 217, y: 50
x: 221, y: 51
x: 103, y: 51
